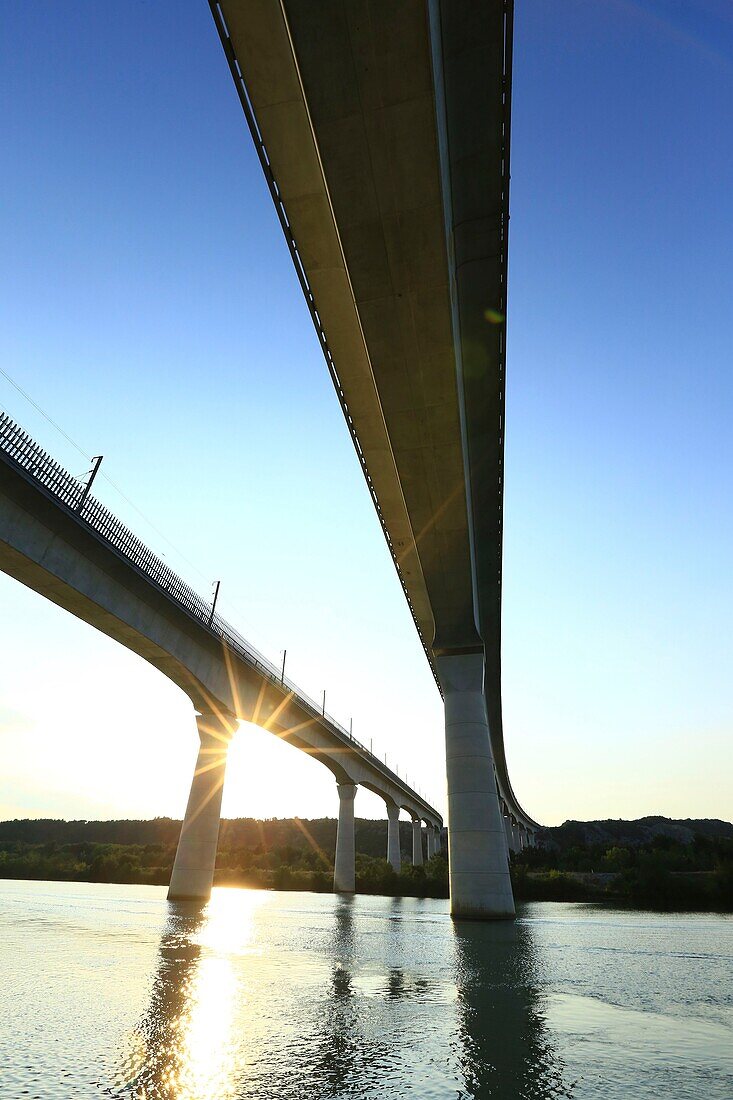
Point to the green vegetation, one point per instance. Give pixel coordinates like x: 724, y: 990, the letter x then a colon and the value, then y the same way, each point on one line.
x: 87, y: 862
x: 287, y: 854
x: 664, y: 872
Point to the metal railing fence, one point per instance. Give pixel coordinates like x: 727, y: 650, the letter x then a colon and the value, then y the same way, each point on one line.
x: 17, y: 446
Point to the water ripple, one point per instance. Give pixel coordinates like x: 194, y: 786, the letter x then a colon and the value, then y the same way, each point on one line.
x: 111, y: 991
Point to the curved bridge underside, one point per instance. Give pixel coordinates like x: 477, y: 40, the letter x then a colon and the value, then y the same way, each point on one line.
x: 383, y: 131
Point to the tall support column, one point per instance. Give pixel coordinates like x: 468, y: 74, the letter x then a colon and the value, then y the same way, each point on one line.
x: 344, y: 872
x: 480, y: 886
x: 417, y: 859
x: 193, y: 869
x: 517, y: 845
x: 393, y: 836
x: 509, y: 833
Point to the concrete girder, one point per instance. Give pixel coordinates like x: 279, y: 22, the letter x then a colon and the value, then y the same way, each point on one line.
x: 357, y: 171
x: 396, y: 199
x: 47, y: 547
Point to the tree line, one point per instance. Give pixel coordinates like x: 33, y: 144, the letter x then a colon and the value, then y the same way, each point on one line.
x: 293, y: 854
x: 662, y: 873
x: 277, y: 853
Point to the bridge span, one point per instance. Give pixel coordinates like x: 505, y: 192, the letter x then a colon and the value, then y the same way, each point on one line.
x: 383, y: 131
x: 62, y: 542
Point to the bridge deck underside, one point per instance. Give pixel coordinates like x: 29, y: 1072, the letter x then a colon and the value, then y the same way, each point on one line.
x: 344, y: 95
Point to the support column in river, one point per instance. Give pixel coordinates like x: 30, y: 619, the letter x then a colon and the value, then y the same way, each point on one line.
x: 417, y: 859
x: 193, y: 869
x: 516, y: 842
x: 393, y: 836
x: 508, y: 831
x: 344, y: 871
x: 480, y: 886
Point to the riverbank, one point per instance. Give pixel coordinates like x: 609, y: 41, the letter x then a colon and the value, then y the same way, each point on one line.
x: 151, y: 865
x: 652, y: 864
x: 647, y: 887
x: 665, y: 891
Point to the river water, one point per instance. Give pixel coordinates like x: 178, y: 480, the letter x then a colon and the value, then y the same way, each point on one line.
x: 110, y: 991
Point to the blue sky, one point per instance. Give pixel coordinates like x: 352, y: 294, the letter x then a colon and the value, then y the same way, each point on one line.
x: 149, y: 305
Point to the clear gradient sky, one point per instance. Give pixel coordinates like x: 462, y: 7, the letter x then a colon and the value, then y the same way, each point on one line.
x: 149, y: 305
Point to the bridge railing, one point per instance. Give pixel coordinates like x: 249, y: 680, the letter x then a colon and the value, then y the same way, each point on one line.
x: 17, y: 445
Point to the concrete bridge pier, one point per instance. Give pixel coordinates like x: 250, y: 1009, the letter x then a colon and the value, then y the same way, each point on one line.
x: 480, y: 886
x: 393, y: 836
x: 516, y: 839
x: 417, y: 858
x: 509, y: 832
x: 344, y: 872
x: 193, y: 869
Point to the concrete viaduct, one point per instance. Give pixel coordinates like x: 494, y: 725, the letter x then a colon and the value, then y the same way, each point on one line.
x: 65, y: 545
x: 382, y: 128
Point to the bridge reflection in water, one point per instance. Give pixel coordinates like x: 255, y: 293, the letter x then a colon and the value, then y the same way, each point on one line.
x: 327, y: 997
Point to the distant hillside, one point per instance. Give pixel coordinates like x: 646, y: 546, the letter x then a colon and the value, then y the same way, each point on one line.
x: 633, y: 834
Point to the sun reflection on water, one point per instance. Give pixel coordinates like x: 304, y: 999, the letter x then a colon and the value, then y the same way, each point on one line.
x: 185, y: 1047
x: 205, y: 1059
x: 230, y: 920
x: 260, y: 995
